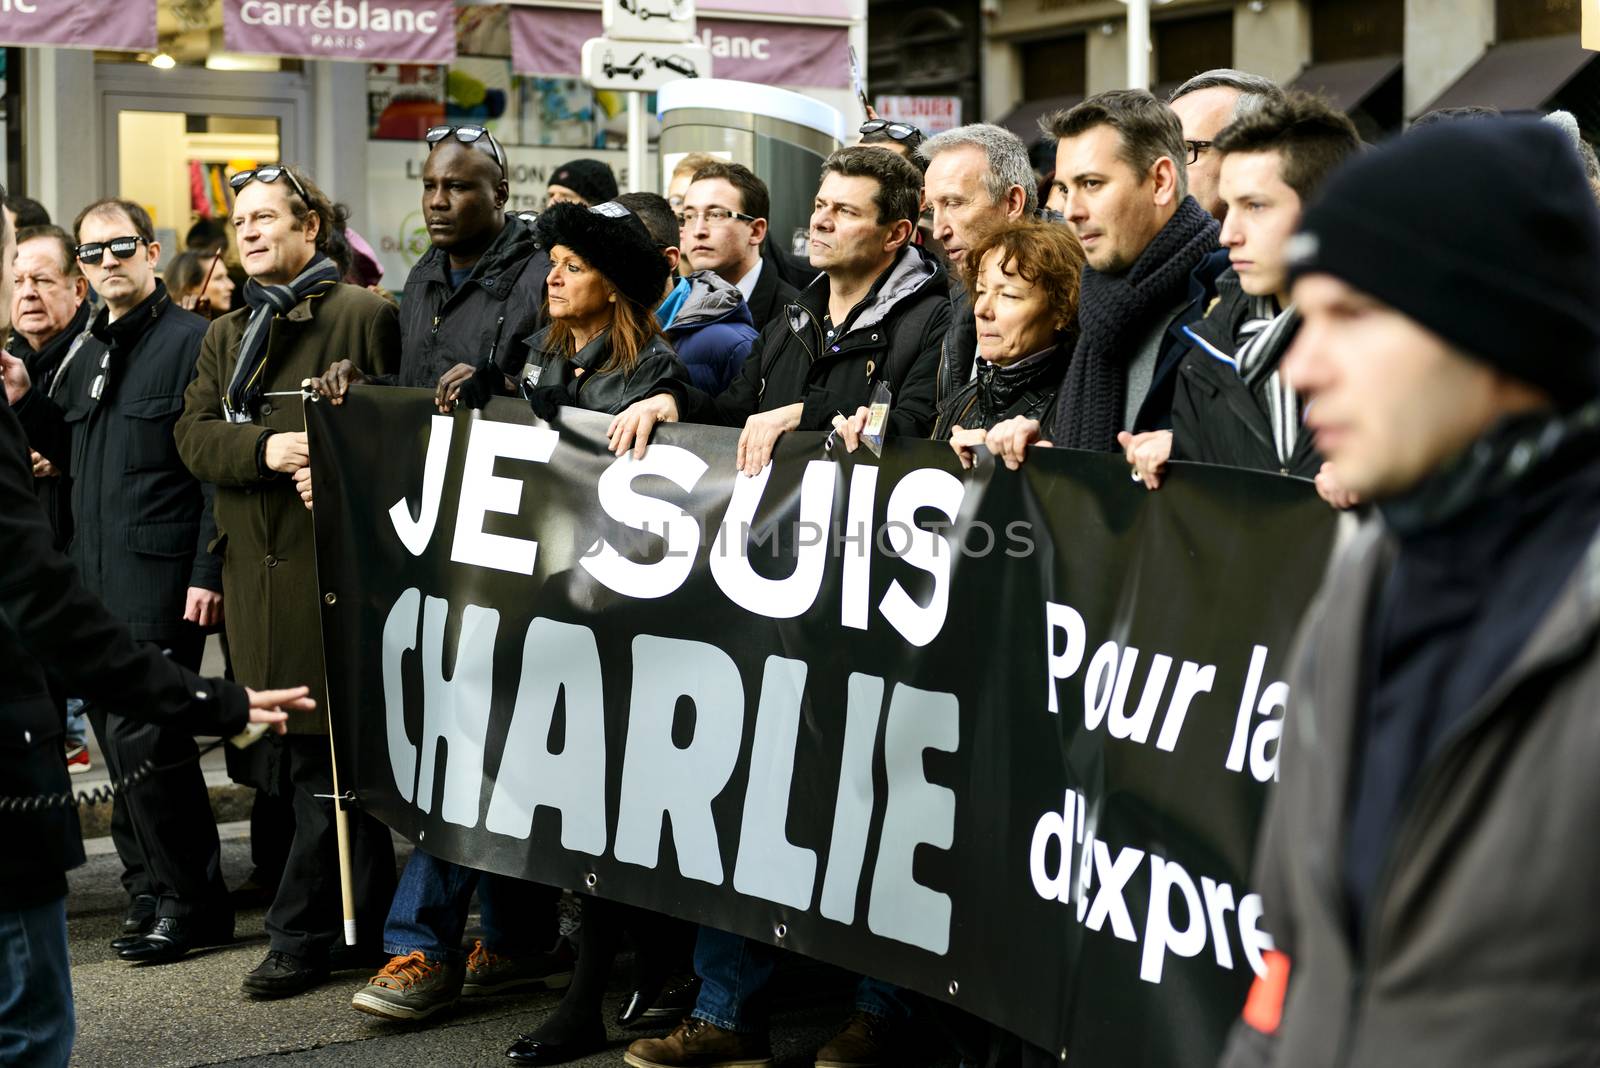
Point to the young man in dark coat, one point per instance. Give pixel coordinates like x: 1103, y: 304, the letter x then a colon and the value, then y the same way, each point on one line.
x: 1425, y: 862
x: 142, y: 530
x: 877, y: 314
x: 51, y: 626
x: 1231, y: 405
x: 723, y: 228
x: 1152, y: 264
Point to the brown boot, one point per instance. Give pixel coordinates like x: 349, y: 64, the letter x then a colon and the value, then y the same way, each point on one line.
x: 864, y: 1043
x: 699, y: 1044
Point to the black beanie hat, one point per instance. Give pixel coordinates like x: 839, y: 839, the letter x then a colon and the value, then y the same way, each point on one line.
x: 591, y: 179
x: 614, y: 241
x: 1485, y: 233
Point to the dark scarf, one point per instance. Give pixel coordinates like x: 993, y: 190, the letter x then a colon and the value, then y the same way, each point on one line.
x: 46, y: 361
x: 266, y: 302
x: 1114, y: 311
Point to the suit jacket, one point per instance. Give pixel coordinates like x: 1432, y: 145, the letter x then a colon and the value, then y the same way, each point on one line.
x: 770, y: 296
x: 49, y: 622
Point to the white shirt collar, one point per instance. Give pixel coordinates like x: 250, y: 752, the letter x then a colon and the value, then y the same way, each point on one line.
x: 747, y: 284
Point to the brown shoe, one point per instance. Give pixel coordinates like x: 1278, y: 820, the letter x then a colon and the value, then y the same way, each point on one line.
x: 699, y: 1044
x: 864, y: 1043
x: 411, y: 987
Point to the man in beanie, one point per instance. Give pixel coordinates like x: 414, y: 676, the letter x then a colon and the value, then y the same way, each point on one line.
x: 1423, y: 861
x: 583, y: 181
x: 1152, y: 264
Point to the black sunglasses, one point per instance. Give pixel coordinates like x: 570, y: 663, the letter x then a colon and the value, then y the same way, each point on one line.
x: 269, y: 174
x: 468, y: 135
x: 900, y: 131
x: 122, y: 248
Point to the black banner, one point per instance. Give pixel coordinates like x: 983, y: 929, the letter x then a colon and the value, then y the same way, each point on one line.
x: 998, y: 737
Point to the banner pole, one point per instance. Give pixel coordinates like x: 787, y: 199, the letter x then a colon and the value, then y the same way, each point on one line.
x: 341, y: 818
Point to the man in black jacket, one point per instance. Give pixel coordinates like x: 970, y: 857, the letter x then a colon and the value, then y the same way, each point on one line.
x: 141, y: 542
x: 49, y: 313
x: 1151, y: 266
x: 49, y: 625
x: 1231, y: 405
x: 1424, y: 863
x: 877, y: 314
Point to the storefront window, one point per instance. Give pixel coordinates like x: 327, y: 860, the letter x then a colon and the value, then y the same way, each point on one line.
x: 1521, y: 19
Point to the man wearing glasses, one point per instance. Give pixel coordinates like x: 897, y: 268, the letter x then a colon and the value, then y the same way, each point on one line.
x: 1205, y: 104
x: 243, y: 430
x: 142, y: 526
x: 722, y: 225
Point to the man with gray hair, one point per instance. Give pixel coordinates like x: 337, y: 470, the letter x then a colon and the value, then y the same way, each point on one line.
x: 978, y: 179
x: 1205, y: 104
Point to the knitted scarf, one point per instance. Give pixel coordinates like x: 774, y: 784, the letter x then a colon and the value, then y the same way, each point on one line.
x: 266, y: 302
x: 1114, y: 311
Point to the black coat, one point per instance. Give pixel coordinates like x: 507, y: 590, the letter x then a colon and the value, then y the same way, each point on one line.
x: 997, y: 393
x: 770, y: 296
x: 605, y: 391
x: 49, y: 622
x: 893, y: 336
x: 55, y: 492
x: 501, y: 300
x: 143, y: 525
x: 1216, y: 417
x: 959, y: 351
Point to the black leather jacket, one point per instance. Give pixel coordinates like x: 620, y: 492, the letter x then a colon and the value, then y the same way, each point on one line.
x: 596, y: 389
x: 996, y: 393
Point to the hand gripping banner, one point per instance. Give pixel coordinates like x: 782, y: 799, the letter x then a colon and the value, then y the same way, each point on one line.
x: 998, y: 737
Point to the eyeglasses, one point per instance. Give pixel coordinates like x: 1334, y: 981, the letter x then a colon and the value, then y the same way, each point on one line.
x: 712, y: 216
x: 122, y: 248
x: 900, y: 131
x: 468, y: 135
x: 269, y: 174
x: 1195, y: 148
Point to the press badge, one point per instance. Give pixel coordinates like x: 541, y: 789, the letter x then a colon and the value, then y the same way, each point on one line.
x: 877, y: 418
x: 530, y: 377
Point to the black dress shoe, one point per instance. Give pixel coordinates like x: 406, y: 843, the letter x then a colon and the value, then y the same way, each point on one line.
x: 170, y: 937
x: 670, y: 1001
x: 530, y: 1049
x: 283, y: 975
x: 137, y: 923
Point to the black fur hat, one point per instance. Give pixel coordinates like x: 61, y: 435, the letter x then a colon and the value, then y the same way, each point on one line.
x: 614, y: 241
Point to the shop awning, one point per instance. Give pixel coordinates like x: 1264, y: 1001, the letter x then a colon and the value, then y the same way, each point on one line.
x: 1349, y: 82
x: 1518, y: 75
x: 1023, y: 120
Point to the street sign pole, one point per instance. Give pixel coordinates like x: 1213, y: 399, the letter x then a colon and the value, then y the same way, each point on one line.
x: 639, y: 181
x: 1138, y: 44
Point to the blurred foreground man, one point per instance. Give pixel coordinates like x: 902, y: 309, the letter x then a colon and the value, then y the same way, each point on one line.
x: 240, y: 432
x: 1425, y: 862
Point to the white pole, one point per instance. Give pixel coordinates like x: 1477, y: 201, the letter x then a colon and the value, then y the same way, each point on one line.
x: 638, y: 145
x: 1138, y: 44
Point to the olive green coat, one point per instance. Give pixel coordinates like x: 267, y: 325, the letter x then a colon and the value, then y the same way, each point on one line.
x: 264, y: 534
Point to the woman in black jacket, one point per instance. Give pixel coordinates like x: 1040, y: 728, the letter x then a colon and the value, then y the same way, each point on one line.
x: 1023, y: 280
x: 602, y: 350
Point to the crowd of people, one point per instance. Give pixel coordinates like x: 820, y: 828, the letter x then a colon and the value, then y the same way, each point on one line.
x: 1228, y: 277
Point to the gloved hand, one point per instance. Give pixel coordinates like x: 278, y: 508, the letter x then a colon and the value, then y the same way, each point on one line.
x: 544, y: 400
x: 484, y: 383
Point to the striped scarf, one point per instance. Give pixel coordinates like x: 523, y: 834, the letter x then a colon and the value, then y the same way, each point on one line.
x: 1265, y: 337
x: 243, y: 396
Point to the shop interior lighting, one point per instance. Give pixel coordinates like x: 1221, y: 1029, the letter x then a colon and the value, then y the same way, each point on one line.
x: 162, y: 61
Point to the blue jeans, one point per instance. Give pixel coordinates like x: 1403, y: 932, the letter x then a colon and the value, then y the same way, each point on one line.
x: 77, y: 722
x: 36, y: 1022
x: 430, y: 911
x: 734, y: 973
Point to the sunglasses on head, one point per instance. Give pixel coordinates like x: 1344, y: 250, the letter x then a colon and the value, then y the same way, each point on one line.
x: 900, y: 131
x: 269, y: 174
x: 122, y: 248
x: 467, y: 135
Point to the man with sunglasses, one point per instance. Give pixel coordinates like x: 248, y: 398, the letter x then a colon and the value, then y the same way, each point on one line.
x: 241, y: 432
x: 142, y: 527
x: 901, y: 138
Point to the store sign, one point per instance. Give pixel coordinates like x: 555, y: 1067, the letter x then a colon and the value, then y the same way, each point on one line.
x: 549, y: 41
x: 930, y: 114
x: 365, y: 31
x: 393, y: 220
x: 127, y: 25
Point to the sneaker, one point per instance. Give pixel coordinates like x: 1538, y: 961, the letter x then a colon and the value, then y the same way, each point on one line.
x: 863, y: 1043
x: 700, y: 1044
x: 77, y: 758
x: 411, y: 987
x: 283, y: 975
x: 490, y: 973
